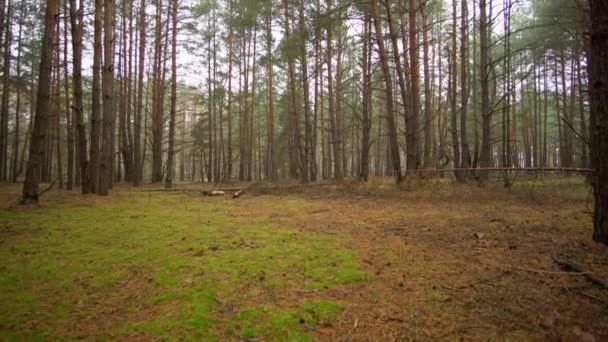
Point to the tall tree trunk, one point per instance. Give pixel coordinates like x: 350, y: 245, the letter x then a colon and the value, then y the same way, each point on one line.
x: 96, y: 102
x: 333, y: 126
x: 170, y: 157
x: 484, y: 72
x: 228, y: 173
x: 581, y: 110
x: 15, y: 163
x: 137, y: 156
x: 293, y: 108
x: 32, y: 176
x: 428, y: 93
x: 270, y: 153
x: 6, y: 82
x: 107, y: 151
x: 390, y: 117
x: 57, y: 113
x: 453, y: 93
x: 157, y: 107
x: 465, y: 158
x: 306, y: 96
x: 68, y: 107
x: 599, y: 111
x: 76, y: 21
x: 412, y: 125
x: 366, y: 121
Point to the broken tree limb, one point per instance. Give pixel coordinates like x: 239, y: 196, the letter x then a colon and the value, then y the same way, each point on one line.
x: 238, y: 193
x: 571, y: 265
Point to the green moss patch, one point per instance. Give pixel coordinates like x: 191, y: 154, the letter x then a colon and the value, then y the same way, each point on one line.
x: 162, y: 265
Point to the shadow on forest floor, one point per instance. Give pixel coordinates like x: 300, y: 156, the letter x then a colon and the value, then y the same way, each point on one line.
x: 432, y: 260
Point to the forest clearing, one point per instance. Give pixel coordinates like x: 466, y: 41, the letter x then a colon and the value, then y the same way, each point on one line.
x: 350, y: 262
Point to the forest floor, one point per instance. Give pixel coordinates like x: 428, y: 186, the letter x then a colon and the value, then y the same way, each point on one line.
x: 431, y: 261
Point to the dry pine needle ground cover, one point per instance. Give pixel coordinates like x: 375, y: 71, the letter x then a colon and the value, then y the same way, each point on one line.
x: 350, y: 262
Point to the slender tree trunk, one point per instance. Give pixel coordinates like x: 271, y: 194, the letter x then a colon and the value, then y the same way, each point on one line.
x: 271, y: 162
x: 137, y: 156
x: 366, y: 122
x: 330, y: 89
x: 484, y: 72
x: 306, y: 96
x: 170, y: 157
x: 6, y: 82
x: 229, y: 109
x: 96, y: 110
x: 428, y: 93
x: 581, y: 109
x: 68, y: 107
x: 57, y: 113
x: 465, y: 161
x: 15, y: 163
x: 412, y: 125
x: 107, y: 152
x: 453, y: 93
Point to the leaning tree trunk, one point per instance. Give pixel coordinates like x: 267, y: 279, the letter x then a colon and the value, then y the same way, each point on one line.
x: 390, y: 116
x: 32, y: 176
x: 599, y: 110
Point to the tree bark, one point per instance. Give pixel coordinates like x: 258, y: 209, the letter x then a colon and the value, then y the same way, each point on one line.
x: 6, y: 82
x: 366, y: 122
x: 271, y: 171
x: 32, y: 177
x: 137, y: 159
x: 599, y: 110
x: 107, y: 153
x: 15, y: 163
x: 412, y: 124
x: 333, y: 123
x: 465, y: 158
x: 76, y: 23
x: 484, y: 71
x: 96, y: 101
x: 170, y: 157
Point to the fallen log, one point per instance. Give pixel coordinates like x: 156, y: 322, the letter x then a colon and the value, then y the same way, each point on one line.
x: 571, y: 265
x: 213, y: 193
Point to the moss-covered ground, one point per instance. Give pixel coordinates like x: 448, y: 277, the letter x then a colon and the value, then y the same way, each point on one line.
x: 350, y: 262
x: 168, y: 266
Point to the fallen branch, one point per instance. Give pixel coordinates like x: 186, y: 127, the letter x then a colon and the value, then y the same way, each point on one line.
x: 543, y: 271
x: 571, y: 265
x: 238, y: 193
